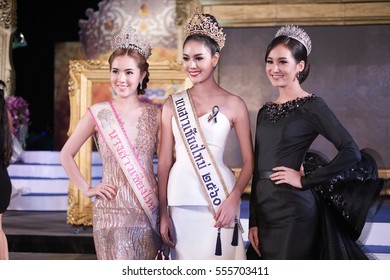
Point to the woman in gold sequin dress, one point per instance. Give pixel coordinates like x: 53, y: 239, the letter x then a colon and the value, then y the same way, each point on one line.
x: 123, y: 228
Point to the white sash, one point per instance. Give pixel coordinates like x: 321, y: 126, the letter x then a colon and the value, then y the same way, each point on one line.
x: 206, y: 169
x: 116, y: 139
x: 202, y: 159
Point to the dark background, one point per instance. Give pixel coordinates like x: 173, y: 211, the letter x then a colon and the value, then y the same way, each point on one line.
x: 42, y: 26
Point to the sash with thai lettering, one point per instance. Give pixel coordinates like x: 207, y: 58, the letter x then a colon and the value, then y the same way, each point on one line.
x: 203, y: 162
x: 108, y: 125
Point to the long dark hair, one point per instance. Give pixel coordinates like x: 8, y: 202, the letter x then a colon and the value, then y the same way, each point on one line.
x: 298, y: 51
x: 6, y: 141
x: 141, y: 62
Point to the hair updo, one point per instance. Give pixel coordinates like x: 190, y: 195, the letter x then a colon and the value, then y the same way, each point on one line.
x: 142, y: 64
x: 298, y: 51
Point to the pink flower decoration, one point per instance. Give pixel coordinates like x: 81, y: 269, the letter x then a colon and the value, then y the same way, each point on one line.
x: 19, y: 112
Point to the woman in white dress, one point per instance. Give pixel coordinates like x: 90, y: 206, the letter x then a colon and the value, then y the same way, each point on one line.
x: 193, y: 222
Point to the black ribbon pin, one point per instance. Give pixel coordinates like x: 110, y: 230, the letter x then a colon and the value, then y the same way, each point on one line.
x: 213, y: 115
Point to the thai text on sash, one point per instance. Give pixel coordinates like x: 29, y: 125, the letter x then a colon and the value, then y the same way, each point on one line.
x: 196, y: 150
x: 135, y: 175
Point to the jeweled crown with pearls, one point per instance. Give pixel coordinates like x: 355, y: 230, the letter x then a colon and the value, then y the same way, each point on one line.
x: 129, y: 39
x: 202, y: 24
x: 296, y: 33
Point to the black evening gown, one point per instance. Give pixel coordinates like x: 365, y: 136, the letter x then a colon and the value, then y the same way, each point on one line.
x: 291, y: 221
x: 5, y: 183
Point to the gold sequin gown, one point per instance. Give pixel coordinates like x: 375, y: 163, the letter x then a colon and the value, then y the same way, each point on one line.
x: 121, y: 229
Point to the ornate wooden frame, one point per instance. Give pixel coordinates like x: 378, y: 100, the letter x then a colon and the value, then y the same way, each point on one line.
x: 7, y: 27
x: 83, y: 75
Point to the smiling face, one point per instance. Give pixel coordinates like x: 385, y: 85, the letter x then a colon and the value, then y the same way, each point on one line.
x: 281, y: 66
x: 198, y: 61
x: 125, y: 75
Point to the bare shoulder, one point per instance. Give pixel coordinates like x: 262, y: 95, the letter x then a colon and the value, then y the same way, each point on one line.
x: 166, y: 105
x: 166, y: 109
x: 232, y: 99
x: 233, y: 107
x: 99, y: 104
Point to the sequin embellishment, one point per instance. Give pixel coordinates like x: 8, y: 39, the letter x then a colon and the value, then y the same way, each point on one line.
x: 276, y: 111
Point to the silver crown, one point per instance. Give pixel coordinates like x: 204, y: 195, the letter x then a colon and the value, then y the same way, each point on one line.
x: 296, y: 33
x: 201, y: 24
x: 129, y: 39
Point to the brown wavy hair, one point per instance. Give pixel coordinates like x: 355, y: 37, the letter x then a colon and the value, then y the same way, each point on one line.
x: 141, y: 62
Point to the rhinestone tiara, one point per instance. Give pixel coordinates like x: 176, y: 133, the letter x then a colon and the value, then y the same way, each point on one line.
x: 296, y: 33
x: 128, y: 38
x: 202, y: 24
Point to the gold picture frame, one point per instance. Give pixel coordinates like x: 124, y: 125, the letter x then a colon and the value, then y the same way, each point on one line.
x: 86, y: 77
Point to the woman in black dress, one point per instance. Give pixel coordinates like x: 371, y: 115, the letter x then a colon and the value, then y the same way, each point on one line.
x: 5, y: 157
x: 286, y: 216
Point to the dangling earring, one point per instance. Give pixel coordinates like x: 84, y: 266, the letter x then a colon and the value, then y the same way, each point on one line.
x: 140, y: 85
x: 114, y: 94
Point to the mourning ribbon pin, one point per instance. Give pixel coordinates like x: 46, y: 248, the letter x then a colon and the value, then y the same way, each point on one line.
x: 213, y: 115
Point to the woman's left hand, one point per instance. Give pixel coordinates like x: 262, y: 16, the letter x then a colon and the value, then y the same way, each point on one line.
x: 285, y: 175
x: 226, y: 214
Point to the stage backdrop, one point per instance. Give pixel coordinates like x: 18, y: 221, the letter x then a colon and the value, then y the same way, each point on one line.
x: 350, y: 63
x: 350, y: 69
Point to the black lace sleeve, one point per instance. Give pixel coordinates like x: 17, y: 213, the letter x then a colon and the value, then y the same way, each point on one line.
x: 351, y: 193
x: 325, y: 123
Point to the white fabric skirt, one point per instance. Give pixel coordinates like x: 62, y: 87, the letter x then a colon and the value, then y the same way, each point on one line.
x: 196, y: 236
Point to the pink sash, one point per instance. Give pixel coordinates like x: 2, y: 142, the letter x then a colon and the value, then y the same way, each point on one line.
x: 116, y: 139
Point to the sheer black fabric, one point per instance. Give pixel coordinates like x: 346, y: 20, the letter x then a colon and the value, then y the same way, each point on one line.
x: 346, y: 203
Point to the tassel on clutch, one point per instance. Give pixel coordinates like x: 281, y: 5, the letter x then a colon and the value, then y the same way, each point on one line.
x: 163, y: 253
x: 235, y: 233
x: 218, y: 247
